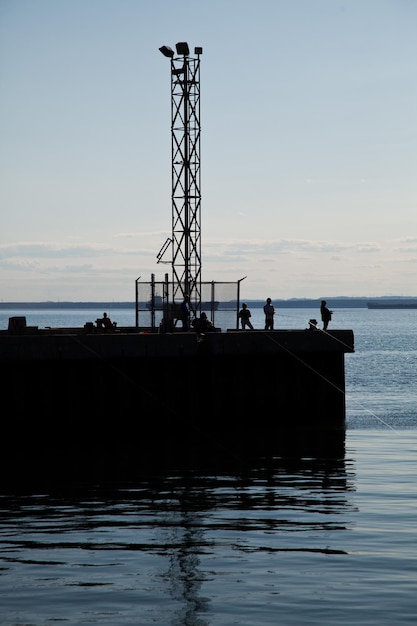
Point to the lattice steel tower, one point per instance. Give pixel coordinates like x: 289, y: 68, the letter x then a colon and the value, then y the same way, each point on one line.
x: 186, y: 178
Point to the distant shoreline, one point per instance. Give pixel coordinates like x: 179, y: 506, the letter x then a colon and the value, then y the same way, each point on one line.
x: 293, y: 303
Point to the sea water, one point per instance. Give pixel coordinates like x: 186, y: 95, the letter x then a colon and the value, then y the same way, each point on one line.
x: 308, y: 541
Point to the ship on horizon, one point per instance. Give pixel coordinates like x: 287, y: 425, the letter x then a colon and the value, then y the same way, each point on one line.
x: 392, y: 304
x: 157, y: 304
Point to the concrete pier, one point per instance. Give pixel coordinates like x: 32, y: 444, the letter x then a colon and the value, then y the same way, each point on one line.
x: 93, y: 406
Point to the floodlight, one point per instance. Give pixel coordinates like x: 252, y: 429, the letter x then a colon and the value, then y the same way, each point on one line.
x: 182, y: 48
x: 167, y: 51
x: 198, y: 50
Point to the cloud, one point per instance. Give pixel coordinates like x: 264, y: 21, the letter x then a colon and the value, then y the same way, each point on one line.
x: 249, y: 247
x: 35, y: 250
x: 145, y: 234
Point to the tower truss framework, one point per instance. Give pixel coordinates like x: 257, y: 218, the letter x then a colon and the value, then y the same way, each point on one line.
x: 186, y: 174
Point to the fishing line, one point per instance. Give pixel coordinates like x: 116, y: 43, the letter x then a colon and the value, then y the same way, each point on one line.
x: 194, y: 425
x: 376, y: 416
x: 316, y: 326
x: 329, y: 382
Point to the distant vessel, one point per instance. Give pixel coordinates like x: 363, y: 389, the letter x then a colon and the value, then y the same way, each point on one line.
x: 158, y: 304
x: 392, y: 304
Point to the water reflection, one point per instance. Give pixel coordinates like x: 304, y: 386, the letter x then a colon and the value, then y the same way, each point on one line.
x: 159, y: 541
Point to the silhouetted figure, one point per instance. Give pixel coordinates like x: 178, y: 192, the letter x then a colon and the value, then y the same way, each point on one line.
x: 107, y: 323
x: 203, y: 324
x: 185, y: 313
x: 312, y: 325
x: 269, y: 311
x: 166, y: 325
x: 326, y: 314
x: 244, y: 315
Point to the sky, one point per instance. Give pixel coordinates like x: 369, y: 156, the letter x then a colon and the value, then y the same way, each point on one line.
x: 308, y: 146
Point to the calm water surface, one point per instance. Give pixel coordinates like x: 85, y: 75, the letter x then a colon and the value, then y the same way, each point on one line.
x: 308, y: 541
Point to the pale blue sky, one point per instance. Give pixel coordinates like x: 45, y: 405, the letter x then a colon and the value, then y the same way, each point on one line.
x: 309, y: 145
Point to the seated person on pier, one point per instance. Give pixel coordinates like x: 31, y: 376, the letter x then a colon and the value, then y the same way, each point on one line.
x: 203, y: 324
x: 106, y: 323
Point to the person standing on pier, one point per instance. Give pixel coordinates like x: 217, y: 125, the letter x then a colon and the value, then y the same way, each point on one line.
x: 185, y: 313
x: 326, y: 314
x: 269, y: 311
x: 244, y: 315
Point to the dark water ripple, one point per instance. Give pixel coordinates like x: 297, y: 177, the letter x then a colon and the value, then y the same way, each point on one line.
x: 302, y: 542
